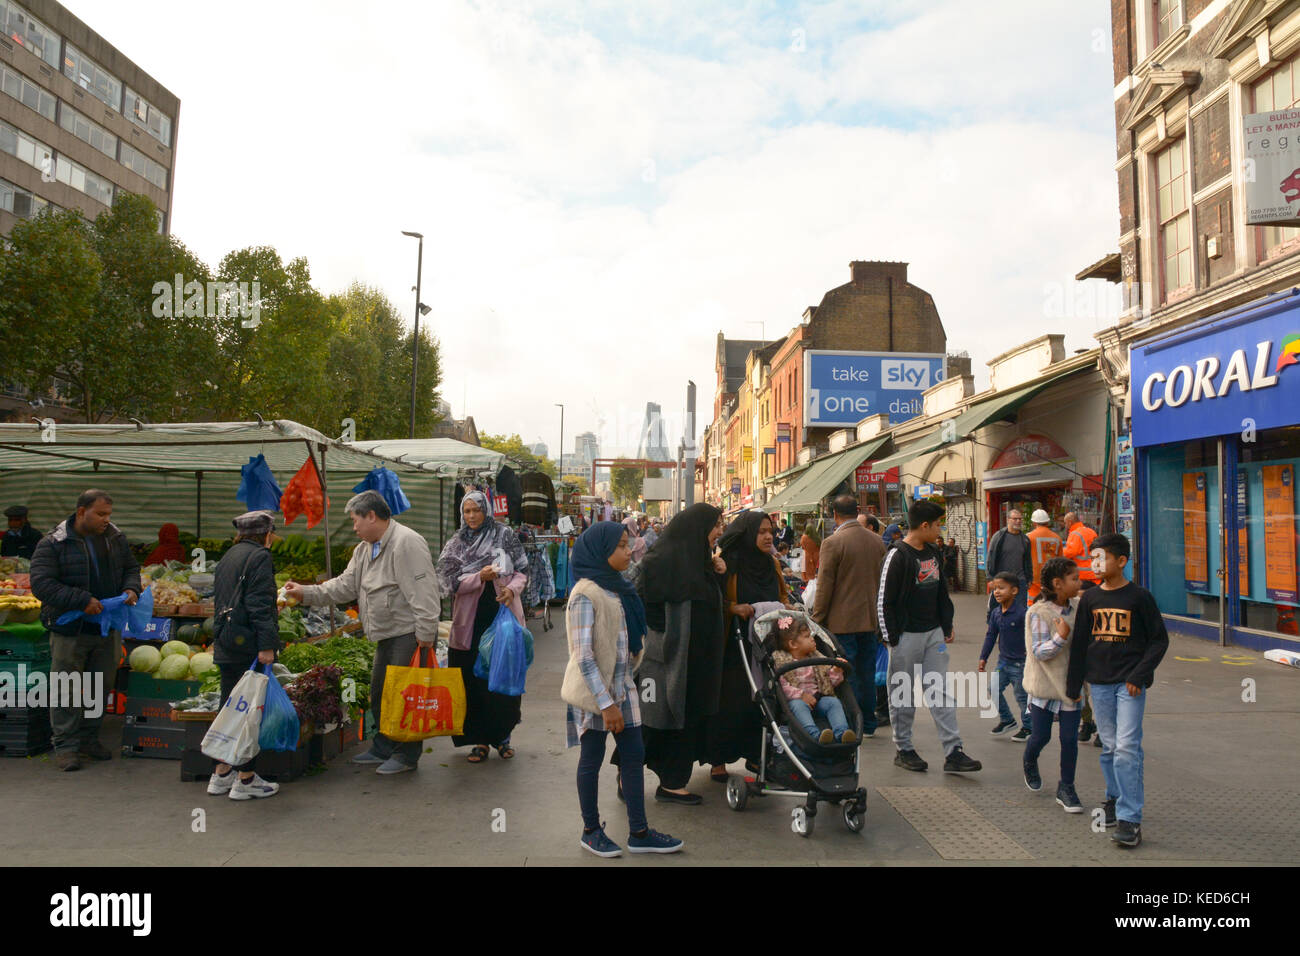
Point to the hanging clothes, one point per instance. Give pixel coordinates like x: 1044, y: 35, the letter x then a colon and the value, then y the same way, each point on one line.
x: 257, y: 486
x: 538, y: 499
x: 389, y: 487
x: 508, y: 485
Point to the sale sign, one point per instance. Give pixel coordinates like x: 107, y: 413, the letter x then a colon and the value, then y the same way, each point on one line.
x: 1196, y: 570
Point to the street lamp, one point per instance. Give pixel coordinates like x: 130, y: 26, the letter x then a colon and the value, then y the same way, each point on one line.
x: 561, y: 408
x: 420, y: 309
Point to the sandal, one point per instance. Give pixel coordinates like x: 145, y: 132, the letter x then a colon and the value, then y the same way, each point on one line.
x: 478, y: 754
x: 505, y: 750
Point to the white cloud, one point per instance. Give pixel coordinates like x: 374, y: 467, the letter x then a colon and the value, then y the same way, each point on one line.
x: 517, y: 142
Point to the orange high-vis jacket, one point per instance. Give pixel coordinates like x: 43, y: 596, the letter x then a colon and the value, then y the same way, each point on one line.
x: 1044, y: 544
x: 1078, y: 545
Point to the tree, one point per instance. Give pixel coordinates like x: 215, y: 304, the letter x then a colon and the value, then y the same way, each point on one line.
x: 577, y: 482
x: 625, y: 485
x: 514, y: 447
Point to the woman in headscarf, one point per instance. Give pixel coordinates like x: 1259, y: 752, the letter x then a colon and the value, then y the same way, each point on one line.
x: 681, y: 584
x: 753, y: 576
x: 465, y: 568
x: 169, y: 546
x: 811, y: 546
x: 634, y: 540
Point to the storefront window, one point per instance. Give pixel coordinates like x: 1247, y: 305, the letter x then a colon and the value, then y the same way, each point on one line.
x: 1184, y: 521
x: 1266, y: 506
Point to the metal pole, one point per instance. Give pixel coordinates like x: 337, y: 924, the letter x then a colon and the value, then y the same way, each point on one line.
x: 198, y: 506
x: 560, y: 457
x: 415, y: 336
x: 324, y: 493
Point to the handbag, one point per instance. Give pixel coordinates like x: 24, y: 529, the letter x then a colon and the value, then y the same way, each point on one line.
x: 422, y: 702
x: 233, y: 737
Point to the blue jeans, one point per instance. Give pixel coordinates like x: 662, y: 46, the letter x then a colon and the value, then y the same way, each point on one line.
x: 631, y: 765
x: 1119, y: 722
x: 860, y: 651
x: 1041, y: 721
x: 829, y: 707
x: 1012, y: 674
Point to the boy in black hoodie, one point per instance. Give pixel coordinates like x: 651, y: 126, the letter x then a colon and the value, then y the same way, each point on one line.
x: 1119, y: 639
x: 915, y: 615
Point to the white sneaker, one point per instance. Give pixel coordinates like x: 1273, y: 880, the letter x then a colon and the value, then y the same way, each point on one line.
x: 219, y: 786
x: 253, y: 790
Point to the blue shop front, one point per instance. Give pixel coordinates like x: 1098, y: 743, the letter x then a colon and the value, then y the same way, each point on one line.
x: 1215, y: 417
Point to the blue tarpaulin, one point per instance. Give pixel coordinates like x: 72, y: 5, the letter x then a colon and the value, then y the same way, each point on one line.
x: 257, y: 487
x: 389, y: 487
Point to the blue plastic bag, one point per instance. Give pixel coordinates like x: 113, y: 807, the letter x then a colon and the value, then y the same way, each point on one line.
x: 280, y: 729
x: 117, y: 615
x: 505, y: 652
x: 882, y: 664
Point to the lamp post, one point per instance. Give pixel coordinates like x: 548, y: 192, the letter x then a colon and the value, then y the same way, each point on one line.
x: 415, y: 336
x: 561, y: 459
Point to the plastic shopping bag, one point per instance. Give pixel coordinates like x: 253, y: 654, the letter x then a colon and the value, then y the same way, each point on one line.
x: 233, y: 737
x: 280, y: 729
x: 117, y: 615
x: 421, y: 702
x: 505, y: 652
x: 882, y: 665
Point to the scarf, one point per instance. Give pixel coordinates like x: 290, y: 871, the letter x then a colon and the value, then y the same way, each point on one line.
x: 680, y: 565
x: 755, y: 570
x: 591, y: 561
x: 470, y: 551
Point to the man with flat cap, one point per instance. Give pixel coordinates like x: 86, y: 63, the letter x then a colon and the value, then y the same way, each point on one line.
x: 21, y: 538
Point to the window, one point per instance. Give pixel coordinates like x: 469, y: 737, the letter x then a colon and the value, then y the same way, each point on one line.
x: 92, y: 78
x: 30, y: 151
x: 1166, y: 18
x: 1277, y: 91
x: 19, y: 201
x: 1175, y: 218
x: 140, y: 112
x: 87, y: 130
x: 1267, y: 520
x: 27, y: 93
x: 79, y: 177
x: 29, y: 33
x: 154, y: 172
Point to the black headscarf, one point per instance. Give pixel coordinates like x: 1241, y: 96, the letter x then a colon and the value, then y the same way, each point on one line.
x: 591, y: 561
x: 680, y: 565
x: 755, y: 570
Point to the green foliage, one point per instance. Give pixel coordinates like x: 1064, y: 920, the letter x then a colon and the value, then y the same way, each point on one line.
x: 625, y: 485
x: 514, y: 447
x: 578, y: 483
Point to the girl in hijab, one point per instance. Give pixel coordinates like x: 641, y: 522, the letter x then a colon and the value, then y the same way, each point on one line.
x: 606, y: 626
x: 753, y: 576
x: 681, y: 585
x: 466, y: 566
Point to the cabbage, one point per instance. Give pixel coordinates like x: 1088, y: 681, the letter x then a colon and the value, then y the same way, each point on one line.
x: 200, y: 663
x: 175, y: 667
x: 145, y: 659
x: 176, y: 647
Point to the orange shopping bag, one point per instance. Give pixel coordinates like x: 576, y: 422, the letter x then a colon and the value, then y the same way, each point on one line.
x: 421, y: 702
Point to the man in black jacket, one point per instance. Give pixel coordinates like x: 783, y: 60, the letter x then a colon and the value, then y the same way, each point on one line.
x: 21, y: 538
x: 82, y: 561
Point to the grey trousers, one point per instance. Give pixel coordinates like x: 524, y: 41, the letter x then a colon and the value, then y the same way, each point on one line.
x: 88, y: 654
x: 397, y: 651
x: 928, y: 650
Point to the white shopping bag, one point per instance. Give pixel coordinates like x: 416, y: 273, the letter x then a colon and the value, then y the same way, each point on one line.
x: 232, y: 738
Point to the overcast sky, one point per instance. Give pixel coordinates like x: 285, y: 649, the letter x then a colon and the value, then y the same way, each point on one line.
x: 605, y: 186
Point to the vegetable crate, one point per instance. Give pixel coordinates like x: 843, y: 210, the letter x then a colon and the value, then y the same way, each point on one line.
x: 195, y: 765
x: 25, y: 644
x: 149, y: 710
x: 146, y: 685
x: 282, y: 765
x: 363, y: 728
x: 327, y: 746
x: 157, y: 740
x: 24, y: 731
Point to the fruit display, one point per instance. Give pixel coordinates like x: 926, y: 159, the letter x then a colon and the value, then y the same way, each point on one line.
x: 167, y: 592
x: 9, y: 566
x: 20, y: 608
x: 174, y: 661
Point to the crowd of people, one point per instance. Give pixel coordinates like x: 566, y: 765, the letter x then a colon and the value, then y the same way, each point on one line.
x: 651, y: 622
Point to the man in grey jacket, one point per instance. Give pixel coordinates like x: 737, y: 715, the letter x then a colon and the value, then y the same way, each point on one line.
x: 391, y: 577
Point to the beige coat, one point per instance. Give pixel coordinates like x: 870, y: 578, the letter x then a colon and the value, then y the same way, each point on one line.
x: 604, y: 645
x: 1045, y: 679
x: 848, y: 580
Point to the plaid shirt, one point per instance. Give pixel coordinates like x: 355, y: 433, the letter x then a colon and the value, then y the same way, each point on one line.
x: 622, y: 692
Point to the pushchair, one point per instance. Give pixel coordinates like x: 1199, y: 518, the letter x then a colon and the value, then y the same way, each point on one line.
x: 791, y: 763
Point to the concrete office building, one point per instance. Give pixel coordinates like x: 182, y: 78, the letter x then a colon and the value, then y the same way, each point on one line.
x: 79, y: 122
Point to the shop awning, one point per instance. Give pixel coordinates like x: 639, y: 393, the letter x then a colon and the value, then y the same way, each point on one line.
x: 445, y: 455
x: 823, y: 476
x: 981, y: 413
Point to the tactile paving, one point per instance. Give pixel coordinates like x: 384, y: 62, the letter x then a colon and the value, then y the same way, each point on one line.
x: 952, y: 826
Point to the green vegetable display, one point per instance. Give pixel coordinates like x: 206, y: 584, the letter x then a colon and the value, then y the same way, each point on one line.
x: 292, y: 627
x: 354, y: 656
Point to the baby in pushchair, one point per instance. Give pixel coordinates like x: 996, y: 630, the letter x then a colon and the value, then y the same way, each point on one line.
x: 810, y: 690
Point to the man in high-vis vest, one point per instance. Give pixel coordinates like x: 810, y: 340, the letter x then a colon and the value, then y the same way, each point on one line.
x: 1078, y: 547
x: 1044, y: 544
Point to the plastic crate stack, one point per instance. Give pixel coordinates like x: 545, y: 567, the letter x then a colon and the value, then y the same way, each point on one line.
x: 24, y: 730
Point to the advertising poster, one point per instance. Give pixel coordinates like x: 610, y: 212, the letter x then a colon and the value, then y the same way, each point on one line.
x: 1125, y: 503
x: 1279, y: 533
x: 1196, y: 569
x: 1243, y: 533
x: 845, y: 387
x: 981, y: 543
x: 1272, y: 160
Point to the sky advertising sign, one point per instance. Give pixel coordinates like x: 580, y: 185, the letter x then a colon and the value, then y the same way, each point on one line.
x: 1236, y: 372
x: 842, y: 388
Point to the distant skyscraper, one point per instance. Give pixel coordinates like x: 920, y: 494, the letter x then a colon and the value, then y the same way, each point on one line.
x: 653, y: 444
x: 539, y: 449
